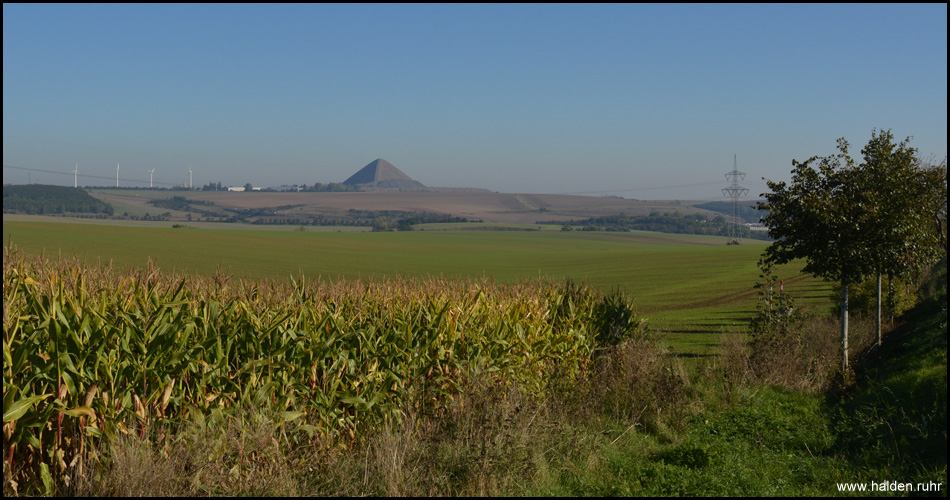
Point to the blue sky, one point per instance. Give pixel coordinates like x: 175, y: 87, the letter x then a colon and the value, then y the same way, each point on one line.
x: 640, y: 101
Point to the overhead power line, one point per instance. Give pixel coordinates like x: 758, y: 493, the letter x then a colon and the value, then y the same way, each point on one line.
x: 654, y: 188
x: 88, y: 176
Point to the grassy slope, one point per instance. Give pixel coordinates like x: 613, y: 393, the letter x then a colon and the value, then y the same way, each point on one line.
x: 897, y: 415
x: 890, y: 426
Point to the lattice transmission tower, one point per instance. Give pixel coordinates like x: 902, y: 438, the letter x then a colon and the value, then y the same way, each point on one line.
x: 734, y: 191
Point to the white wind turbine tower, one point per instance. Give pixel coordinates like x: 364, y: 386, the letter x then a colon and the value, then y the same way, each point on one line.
x: 150, y: 173
x: 76, y: 176
x: 190, y: 182
x: 116, y: 175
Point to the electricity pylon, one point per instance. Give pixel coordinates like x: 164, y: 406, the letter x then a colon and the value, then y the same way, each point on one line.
x: 734, y: 191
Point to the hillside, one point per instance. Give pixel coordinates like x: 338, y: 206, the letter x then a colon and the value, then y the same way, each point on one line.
x: 896, y: 415
x: 885, y: 433
x: 511, y: 208
x: 47, y: 199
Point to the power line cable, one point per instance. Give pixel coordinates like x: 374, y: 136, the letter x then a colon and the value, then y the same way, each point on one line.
x: 90, y: 176
x: 654, y: 188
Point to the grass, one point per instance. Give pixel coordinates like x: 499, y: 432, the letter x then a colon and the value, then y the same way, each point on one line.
x: 755, y: 437
x: 485, y: 226
x: 758, y: 447
x: 692, y: 286
x: 895, y: 418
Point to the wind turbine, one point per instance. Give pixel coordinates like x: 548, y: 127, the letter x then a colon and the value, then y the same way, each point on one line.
x: 191, y: 182
x: 117, y: 175
x: 150, y: 172
x: 76, y: 176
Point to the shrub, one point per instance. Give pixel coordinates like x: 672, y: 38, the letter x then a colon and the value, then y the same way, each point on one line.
x: 897, y: 297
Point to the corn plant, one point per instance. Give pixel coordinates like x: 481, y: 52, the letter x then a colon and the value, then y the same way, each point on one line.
x: 91, y: 352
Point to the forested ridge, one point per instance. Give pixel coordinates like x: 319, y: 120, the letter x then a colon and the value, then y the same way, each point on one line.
x: 46, y: 199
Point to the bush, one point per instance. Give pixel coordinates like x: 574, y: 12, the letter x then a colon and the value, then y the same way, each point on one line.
x: 775, y: 315
x: 790, y: 348
x: 616, y: 320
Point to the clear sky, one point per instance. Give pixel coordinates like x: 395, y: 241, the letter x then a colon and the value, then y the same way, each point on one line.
x: 639, y: 101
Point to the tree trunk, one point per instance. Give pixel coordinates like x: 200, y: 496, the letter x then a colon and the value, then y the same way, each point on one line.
x: 878, y: 322
x: 890, y: 297
x: 844, y: 326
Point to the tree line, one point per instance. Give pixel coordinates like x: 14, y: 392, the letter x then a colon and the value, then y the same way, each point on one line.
x: 666, y: 222
x: 748, y: 211
x: 42, y: 199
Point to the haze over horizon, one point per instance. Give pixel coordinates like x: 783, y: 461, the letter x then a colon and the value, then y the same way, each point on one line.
x: 639, y: 101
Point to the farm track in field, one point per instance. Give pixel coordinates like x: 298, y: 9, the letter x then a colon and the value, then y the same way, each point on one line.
x: 731, y: 298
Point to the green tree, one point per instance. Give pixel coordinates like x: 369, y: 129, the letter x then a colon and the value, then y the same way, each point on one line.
x: 897, y: 191
x: 381, y: 224
x: 935, y: 201
x: 822, y: 217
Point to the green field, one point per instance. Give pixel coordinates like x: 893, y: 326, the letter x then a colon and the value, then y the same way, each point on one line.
x: 692, y: 286
x: 475, y: 387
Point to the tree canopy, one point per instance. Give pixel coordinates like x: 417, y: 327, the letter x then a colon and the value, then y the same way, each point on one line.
x: 820, y: 217
x: 900, y: 196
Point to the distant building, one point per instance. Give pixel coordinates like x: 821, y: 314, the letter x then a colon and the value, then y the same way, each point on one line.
x: 236, y: 188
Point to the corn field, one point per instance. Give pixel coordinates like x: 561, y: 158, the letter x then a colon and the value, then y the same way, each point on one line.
x: 91, y: 352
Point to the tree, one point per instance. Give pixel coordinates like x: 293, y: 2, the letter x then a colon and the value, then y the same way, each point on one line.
x: 935, y: 200
x: 248, y: 187
x: 381, y: 224
x: 822, y: 217
x: 897, y: 193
